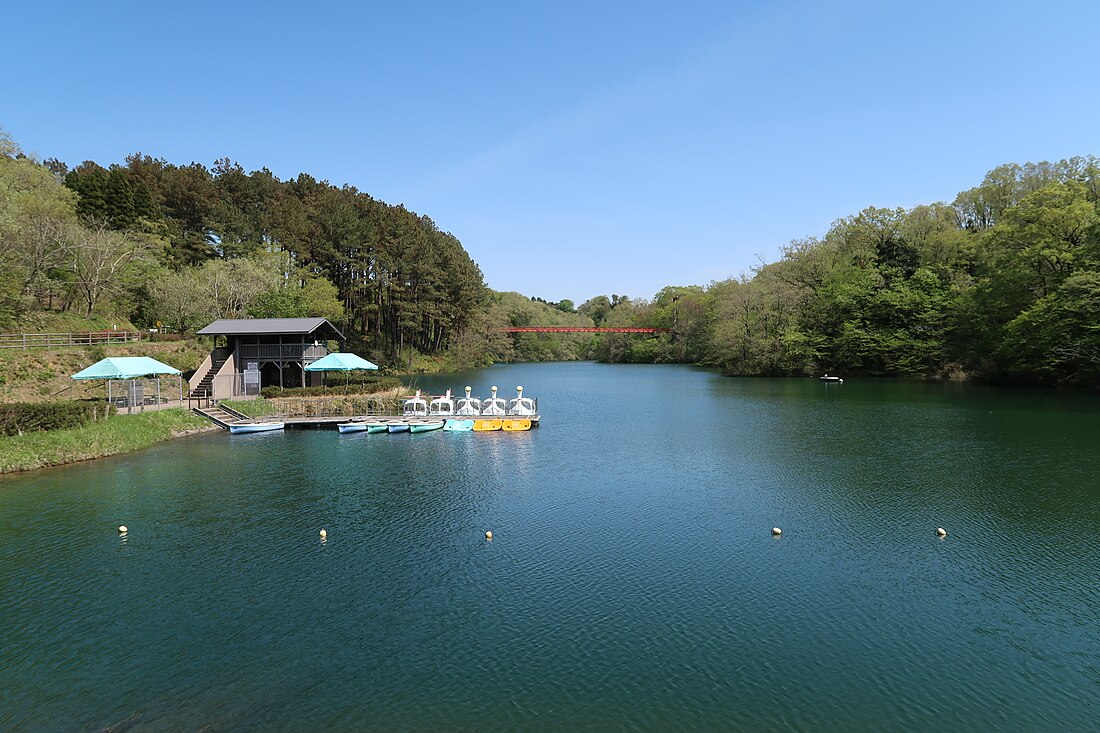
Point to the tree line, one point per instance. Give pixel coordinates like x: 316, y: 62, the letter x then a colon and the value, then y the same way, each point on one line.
x: 1002, y: 284
x: 183, y: 244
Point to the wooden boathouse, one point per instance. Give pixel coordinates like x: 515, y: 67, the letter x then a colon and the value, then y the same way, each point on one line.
x: 252, y: 353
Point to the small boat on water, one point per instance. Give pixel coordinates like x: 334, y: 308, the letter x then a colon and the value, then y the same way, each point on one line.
x: 494, y: 406
x: 482, y: 426
x: 423, y: 427
x: 455, y: 425
x: 377, y: 427
x: 515, y: 425
x: 397, y: 426
x: 352, y: 427
x: 255, y: 427
x: 415, y: 406
x: 521, y: 405
x: 442, y: 405
x: 468, y: 405
x: 827, y: 378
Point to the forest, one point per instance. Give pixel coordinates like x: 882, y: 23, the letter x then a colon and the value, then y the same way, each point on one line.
x: 1002, y: 284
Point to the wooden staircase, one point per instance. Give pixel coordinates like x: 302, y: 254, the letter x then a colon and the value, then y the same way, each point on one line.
x: 205, y: 387
x: 221, y: 415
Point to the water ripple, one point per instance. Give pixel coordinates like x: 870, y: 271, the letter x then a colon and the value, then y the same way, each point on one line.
x: 632, y: 582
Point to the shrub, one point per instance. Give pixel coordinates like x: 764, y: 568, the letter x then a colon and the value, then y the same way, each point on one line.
x: 376, y: 384
x: 29, y: 417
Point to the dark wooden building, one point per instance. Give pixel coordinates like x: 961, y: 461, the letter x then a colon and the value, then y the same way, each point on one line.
x: 251, y: 353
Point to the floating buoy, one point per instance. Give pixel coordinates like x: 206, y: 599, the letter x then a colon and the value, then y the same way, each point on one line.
x: 941, y: 532
x: 123, y: 529
x: 776, y: 531
x: 324, y: 534
x: 489, y: 536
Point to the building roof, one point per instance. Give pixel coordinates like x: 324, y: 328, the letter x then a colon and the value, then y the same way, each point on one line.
x: 125, y: 367
x: 271, y: 326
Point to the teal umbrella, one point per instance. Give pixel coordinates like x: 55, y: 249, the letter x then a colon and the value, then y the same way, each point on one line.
x: 125, y: 367
x: 129, y: 367
x: 340, y: 362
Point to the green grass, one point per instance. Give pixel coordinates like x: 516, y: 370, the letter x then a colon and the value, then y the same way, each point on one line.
x: 118, y: 434
x: 40, y: 375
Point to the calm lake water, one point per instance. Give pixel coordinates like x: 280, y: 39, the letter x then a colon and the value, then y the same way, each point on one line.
x: 632, y: 582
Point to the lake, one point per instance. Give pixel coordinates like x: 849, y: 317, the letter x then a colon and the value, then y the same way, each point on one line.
x: 632, y: 582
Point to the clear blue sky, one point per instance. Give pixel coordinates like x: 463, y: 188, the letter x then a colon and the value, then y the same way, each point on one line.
x: 575, y: 148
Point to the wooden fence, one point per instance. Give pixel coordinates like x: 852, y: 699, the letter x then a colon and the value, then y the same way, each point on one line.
x: 59, y: 340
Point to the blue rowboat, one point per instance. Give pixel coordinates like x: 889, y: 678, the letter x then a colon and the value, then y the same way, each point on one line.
x: 424, y: 427
x: 397, y: 427
x: 255, y: 427
x: 352, y: 427
x: 377, y: 428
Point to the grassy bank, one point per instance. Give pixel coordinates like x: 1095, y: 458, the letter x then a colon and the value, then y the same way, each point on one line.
x: 43, y: 375
x: 119, y: 434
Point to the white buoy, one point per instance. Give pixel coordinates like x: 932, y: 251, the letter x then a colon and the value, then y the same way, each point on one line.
x: 776, y: 531
x: 123, y: 529
x: 489, y: 536
x: 941, y: 532
x: 324, y: 534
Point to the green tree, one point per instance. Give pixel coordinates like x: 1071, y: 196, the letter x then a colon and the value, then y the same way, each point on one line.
x: 1058, y: 338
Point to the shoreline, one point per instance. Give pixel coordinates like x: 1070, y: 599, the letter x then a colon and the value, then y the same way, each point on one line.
x: 115, y: 436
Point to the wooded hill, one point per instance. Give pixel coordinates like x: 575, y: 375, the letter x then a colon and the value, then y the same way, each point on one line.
x: 187, y: 244
x: 1001, y: 284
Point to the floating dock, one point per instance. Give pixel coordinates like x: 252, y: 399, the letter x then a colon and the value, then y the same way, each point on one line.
x: 324, y: 423
x: 225, y: 418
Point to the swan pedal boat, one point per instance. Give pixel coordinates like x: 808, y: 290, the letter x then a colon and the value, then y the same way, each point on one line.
x: 459, y: 426
x: 255, y: 427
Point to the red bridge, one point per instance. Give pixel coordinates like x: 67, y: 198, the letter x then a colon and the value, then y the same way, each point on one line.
x: 581, y: 329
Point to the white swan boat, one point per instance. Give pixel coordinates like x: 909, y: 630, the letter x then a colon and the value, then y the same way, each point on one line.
x: 521, y: 405
x: 442, y: 406
x: 468, y: 405
x: 415, y: 406
x: 494, y: 406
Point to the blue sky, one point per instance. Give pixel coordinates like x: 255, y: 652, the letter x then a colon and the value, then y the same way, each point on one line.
x: 574, y: 148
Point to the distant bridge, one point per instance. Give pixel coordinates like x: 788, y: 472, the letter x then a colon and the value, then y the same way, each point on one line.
x: 582, y: 329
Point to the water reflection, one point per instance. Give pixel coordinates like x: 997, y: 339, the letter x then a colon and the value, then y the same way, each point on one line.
x: 632, y: 582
